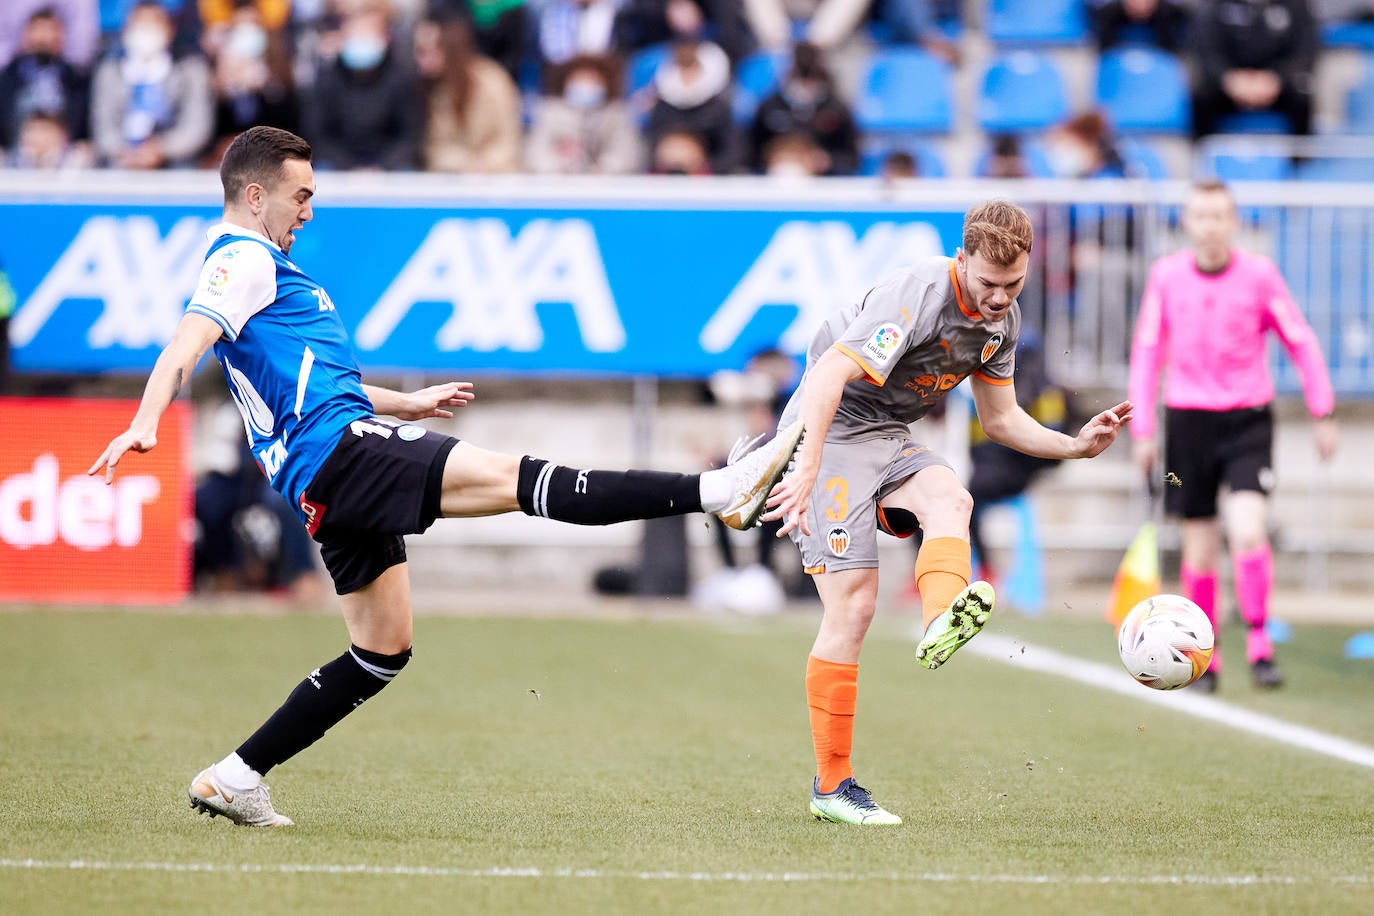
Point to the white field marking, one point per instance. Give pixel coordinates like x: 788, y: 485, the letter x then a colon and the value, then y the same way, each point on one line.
x: 430, y: 871
x: 1115, y: 680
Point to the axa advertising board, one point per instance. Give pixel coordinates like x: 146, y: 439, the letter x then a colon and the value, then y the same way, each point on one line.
x: 664, y: 290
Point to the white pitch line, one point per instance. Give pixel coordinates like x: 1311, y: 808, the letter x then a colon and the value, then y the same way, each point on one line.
x: 427, y: 871
x: 1115, y: 680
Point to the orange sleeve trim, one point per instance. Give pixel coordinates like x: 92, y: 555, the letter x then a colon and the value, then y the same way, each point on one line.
x: 990, y: 380
x: 813, y: 570
x: 874, y: 376
x: 959, y: 294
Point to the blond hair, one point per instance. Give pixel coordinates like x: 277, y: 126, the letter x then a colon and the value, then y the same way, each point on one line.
x: 999, y: 230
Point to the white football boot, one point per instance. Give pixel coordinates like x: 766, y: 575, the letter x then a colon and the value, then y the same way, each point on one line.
x: 246, y: 809
x: 753, y: 475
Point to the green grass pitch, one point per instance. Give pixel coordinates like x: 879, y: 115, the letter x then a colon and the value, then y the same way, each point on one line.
x: 646, y: 766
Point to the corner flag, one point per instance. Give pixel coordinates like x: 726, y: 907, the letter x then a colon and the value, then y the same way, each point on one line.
x: 1137, y: 578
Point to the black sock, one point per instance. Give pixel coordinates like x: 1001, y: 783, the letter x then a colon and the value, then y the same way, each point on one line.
x: 603, y: 497
x: 328, y: 694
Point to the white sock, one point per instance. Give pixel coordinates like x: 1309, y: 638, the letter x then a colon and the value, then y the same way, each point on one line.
x: 716, y: 490
x: 237, y: 776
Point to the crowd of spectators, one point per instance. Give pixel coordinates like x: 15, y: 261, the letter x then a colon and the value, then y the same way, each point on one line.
x: 491, y: 86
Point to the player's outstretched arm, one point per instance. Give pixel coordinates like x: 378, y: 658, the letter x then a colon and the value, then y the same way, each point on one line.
x: 194, y: 335
x: 822, y: 388
x: 420, y: 405
x: 1006, y: 423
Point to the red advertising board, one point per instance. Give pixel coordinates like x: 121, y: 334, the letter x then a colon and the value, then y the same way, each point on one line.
x: 67, y: 537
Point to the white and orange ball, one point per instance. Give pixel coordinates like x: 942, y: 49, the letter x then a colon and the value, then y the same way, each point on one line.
x: 1166, y: 642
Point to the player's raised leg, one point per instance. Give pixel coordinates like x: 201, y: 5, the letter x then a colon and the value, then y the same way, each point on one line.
x: 953, y: 611
x: 478, y: 482
x: 379, y: 626
x: 832, y: 688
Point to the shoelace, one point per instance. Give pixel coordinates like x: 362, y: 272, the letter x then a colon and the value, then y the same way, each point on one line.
x: 860, y: 797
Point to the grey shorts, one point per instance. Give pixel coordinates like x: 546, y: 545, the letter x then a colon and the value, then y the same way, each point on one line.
x: 844, y: 504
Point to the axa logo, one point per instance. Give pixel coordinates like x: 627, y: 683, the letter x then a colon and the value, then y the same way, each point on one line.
x: 39, y: 507
x: 492, y: 279
x: 142, y: 278
x: 814, y: 266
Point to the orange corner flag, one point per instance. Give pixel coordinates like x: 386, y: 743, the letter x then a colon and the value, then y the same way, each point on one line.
x: 1137, y: 578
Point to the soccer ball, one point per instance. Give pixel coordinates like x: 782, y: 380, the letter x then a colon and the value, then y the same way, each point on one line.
x: 1166, y: 642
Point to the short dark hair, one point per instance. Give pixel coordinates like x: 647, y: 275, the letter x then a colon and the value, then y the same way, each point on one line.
x: 257, y: 156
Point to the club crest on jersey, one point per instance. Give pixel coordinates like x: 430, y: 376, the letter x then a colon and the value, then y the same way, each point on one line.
x: 838, y: 540
x: 990, y: 347
x: 883, y: 344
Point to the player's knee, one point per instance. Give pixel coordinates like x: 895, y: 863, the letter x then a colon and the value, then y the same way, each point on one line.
x: 384, y: 667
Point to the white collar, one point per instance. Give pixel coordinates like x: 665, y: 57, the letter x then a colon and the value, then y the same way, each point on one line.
x: 228, y: 228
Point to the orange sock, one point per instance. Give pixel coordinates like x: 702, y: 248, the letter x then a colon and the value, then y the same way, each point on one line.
x: 832, y: 691
x: 943, y: 567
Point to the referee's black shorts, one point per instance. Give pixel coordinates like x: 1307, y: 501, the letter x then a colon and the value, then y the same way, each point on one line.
x: 383, y: 480
x: 1206, y: 448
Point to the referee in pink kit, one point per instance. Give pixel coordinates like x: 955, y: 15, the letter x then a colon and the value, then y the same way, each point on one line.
x: 1203, y: 321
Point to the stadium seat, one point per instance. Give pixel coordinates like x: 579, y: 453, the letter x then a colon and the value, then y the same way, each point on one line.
x: 1021, y: 91
x: 1343, y: 169
x: 642, y: 65
x: 756, y: 78
x: 1036, y: 21
x: 929, y: 162
x: 1142, y: 159
x: 904, y: 89
x: 1259, y: 167
x: 1254, y: 122
x: 1359, y: 102
x: 1144, y: 90
x: 1348, y: 35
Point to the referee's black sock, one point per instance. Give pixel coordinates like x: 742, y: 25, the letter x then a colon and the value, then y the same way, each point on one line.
x: 329, y: 693
x: 603, y: 497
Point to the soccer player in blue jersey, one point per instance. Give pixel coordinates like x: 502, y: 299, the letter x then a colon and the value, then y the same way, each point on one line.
x: 347, y: 457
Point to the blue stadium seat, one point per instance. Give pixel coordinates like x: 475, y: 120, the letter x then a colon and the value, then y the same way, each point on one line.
x: 929, y: 162
x: 1359, y: 102
x: 1259, y: 167
x: 1142, y: 160
x: 1254, y: 122
x: 756, y: 78
x: 1144, y: 90
x: 1021, y: 91
x: 643, y: 64
x: 904, y: 89
x: 1348, y: 35
x: 1342, y: 169
x: 1036, y: 21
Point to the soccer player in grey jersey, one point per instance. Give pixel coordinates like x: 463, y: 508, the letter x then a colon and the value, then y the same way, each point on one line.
x: 873, y: 368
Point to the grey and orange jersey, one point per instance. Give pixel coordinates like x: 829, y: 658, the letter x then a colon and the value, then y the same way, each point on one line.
x: 915, y: 340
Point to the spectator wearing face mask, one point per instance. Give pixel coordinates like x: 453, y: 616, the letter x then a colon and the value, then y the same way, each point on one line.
x: 586, y: 129
x: 791, y: 156
x: 367, y: 109
x: 472, y: 105
x: 38, y: 81
x: 573, y: 28
x: 1083, y: 147
x: 252, y: 79
x: 693, y: 90
x: 806, y: 105
x: 150, y: 106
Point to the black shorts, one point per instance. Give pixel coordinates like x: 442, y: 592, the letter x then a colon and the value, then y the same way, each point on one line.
x: 1206, y: 448
x: 382, y: 481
